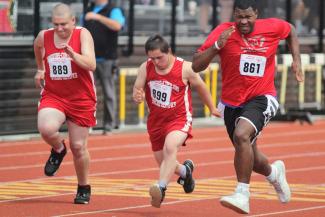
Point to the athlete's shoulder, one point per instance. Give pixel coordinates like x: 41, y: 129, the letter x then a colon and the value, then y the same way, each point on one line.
x: 271, y: 21
x: 224, y: 26
x: 180, y: 59
x: 220, y: 28
x: 273, y: 25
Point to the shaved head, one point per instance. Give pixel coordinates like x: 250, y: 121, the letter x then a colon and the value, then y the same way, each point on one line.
x: 62, y: 10
x: 63, y: 20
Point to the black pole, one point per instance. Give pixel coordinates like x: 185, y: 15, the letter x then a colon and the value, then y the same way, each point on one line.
x: 288, y: 17
x: 321, y: 26
x: 288, y: 10
x: 127, y: 51
x: 131, y: 27
x: 173, y: 27
x: 214, y: 13
x: 85, y: 6
x: 36, y: 18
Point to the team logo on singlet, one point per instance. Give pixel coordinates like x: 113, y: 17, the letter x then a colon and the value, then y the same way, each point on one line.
x: 60, y: 67
x: 254, y: 44
x: 161, y: 92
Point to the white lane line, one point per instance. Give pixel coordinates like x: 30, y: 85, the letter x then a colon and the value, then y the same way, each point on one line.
x: 132, y: 207
x: 208, y: 150
x: 288, y: 211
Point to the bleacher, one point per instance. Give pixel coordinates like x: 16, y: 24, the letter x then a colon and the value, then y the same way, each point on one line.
x: 17, y: 91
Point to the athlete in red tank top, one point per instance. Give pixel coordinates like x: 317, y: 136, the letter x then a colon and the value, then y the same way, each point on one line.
x: 63, y: 76
x: 247, y: 49
x: 65, y: 60
x: 164, y: 81
x: 167, y: 97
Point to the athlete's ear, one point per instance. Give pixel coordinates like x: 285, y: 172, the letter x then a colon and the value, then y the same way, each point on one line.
x: 256, y: 12
x: 73, y: 19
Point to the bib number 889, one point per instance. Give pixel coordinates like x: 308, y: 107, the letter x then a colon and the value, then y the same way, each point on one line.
x: 59, y: 70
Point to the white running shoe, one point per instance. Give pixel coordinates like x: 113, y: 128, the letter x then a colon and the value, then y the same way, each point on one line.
x: 238, y: 202
x: 280, y: 184
x: 157, y: 194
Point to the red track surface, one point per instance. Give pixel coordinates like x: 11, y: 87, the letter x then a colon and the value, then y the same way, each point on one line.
x: 123, y: 168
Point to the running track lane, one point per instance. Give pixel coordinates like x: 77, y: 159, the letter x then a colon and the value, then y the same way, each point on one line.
x: 123, y: 168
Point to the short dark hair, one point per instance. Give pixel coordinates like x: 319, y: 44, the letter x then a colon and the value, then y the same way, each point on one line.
x: 156, y: 42
x: 245, y: 4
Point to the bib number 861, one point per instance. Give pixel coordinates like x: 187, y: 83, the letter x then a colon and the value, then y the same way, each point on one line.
x: 251, y: 68
x: 252, y: 65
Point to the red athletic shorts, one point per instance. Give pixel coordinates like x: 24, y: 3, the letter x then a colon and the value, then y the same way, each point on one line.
x: 158, y: 134
x: 82, y: 115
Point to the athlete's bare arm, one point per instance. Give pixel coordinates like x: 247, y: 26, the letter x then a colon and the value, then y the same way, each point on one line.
x: 196, y: 81
x: 39, y: 52
x: 293, y: 44
x: 201, y: 60
x: 86, y: 59
x: 138, y: 88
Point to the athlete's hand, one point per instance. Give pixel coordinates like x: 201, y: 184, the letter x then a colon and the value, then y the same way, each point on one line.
x: 39, y: 78
x: 68, y: 50
x: 296, y: 68
x: 215, y: 112
x: 138, y: 95
x: 223, y: 38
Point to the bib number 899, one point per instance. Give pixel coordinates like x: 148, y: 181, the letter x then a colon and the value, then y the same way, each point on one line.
x: 159, y: 95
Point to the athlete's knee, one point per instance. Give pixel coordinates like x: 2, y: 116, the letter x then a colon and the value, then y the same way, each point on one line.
x: 47, y: 129
x: 78, y: 149
x: 169, y: 149
x: 241, y: 138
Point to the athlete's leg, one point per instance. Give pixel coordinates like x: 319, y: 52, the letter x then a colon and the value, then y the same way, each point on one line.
x: 261, y: 163
x: 275, y: 174
x: 244, y: 154
x: 166, y: 159
x: 78, y: 143
x: 243, y: 161
x: 49, y: 121
x: 169, y: 163
x: 158, y: 157
x: 180, y: 168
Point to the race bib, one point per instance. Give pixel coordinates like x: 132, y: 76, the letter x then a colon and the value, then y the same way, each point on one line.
x: 60, y: 66
x: 160, y: 93
x: 252, y: 65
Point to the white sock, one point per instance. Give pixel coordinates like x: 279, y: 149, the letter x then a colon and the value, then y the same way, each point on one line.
x: 182, y: 171
x: 243, y: 188
x: 60, y: 149
x: 162, y: 184
x: 272, y: 176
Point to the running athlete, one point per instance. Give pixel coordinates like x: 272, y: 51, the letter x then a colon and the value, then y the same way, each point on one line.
x: 165, y: 82
x: 247, y: 49
x: 65, y: 60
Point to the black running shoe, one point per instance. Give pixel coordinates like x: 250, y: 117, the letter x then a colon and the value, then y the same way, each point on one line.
x: 54, y: 161
x: 157, y: 194
x: 188, y: 182
x: 83, y: 194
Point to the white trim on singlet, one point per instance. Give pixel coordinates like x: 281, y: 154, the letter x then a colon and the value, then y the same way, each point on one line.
x: 187, y: 125
x: 180, y: 59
